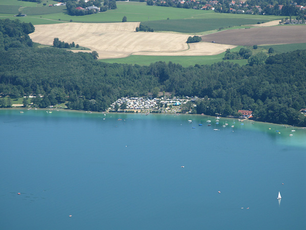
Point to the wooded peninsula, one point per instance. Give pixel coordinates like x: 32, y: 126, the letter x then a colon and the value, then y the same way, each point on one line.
x: 274, y: 89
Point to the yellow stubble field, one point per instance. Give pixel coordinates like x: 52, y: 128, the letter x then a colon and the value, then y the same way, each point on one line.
x: 117, y: 40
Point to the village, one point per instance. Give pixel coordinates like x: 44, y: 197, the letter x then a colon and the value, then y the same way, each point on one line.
x: 154, y: 105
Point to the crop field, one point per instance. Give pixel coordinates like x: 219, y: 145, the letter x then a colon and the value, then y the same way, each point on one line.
x: 43, y: 10
x: 185, y: 61
x: 26, y: 3
x: 199, y: 25
x: 260, y: 36
x: 135, y: 12
x: 113, y: 41
x: 286, y: 47
x: 9, y: 9
x: 116, y: 40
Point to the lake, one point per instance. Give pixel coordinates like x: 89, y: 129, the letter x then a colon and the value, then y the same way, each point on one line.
x: 131, y: 171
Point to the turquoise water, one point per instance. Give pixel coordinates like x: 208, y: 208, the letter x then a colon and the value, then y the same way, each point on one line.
x: 126, y: 174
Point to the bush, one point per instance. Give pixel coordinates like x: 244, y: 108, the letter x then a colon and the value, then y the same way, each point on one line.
x: 144, y: 28
x: 271, y: 50
x: 124, y: 19
x: 255, y: 47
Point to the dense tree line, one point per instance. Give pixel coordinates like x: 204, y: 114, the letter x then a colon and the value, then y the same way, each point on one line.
x: 274, y: 87
x: 14, y: 34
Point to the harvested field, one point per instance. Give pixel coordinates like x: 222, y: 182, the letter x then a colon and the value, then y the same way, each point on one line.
x: 116, y: 40
x: 260, y: 36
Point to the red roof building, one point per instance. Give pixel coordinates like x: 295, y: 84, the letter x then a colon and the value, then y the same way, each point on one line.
x: 246, y: 113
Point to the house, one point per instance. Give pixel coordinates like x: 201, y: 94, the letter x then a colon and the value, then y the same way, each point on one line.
x: 303, y: 111
x: 245, y: 113
x: 79, y: 8
x: 93, y: 8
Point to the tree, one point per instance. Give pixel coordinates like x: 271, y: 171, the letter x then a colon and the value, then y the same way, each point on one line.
x: 255, y: 47
x: 56, y: 42
x: 25, y: 102
x: 271, y: 50
x: 257, y: 59
x: 95, y: 54
x: 123, y: 106
x: 124, y: 19
x: 8, y: 102
x: 116, y: 107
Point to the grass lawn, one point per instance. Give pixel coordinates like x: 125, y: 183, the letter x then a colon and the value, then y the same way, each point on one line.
x: 17, y: 100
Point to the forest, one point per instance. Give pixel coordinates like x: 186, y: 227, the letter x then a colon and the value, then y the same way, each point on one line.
x: 274, y: 89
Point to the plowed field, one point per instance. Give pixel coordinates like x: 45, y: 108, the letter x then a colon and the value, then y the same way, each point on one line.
x: 259, y: 36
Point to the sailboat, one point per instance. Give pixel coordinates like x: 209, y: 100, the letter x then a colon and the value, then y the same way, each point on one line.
x: 279, y: 196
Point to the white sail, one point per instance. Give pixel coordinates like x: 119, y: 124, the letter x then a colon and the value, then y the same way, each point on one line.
x: 279, y: 196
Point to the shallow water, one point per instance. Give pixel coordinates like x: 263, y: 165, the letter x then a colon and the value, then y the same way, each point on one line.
x: 126, y: 174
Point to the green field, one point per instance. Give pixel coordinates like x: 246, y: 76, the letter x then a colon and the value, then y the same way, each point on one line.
x: 43, y: 10
x: 135, y: 12
x: 9, y: 9
x: 285, y: 48
x: 200, y: 25
x: 25, y: 3
x: 185, y: 61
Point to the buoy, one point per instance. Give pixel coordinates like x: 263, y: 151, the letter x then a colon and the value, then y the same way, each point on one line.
x: 70, y: 215
x: 19, y: 193
x: 219, y: 191
x: 248, y: 208
x: 182, y: 166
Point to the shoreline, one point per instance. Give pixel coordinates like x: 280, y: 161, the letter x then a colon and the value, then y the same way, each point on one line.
x: 167, y: 114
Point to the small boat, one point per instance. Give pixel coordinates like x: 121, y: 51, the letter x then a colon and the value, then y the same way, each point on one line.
x: 200, y: 124
x: 279, y: 196
x: 190, y: 121
x: 208, y: 121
